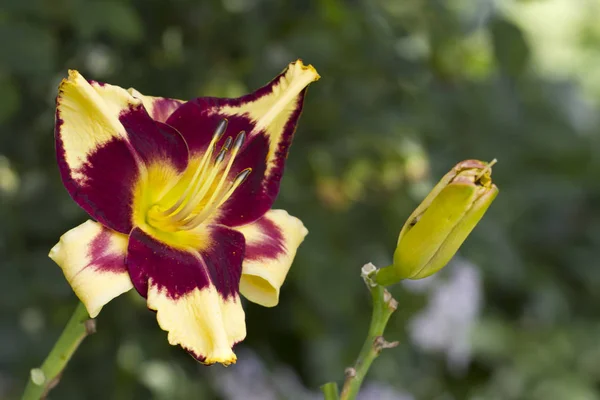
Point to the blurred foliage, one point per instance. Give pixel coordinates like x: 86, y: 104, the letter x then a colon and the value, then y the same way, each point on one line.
x: 408, y: 89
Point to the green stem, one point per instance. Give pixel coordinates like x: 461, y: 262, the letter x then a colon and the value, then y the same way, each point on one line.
x: 330, y: 391
x: 383, y: 307
x: 43, y: 379
x: 388, y: 276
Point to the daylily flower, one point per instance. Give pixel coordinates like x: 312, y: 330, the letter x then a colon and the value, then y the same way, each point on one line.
x: 181, y: 194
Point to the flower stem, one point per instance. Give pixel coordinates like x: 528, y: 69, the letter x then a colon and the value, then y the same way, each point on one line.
x: 383, y: 307
x: 330, y: 391
x: 43, y: 379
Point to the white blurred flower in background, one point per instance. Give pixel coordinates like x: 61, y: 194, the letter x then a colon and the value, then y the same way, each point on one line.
x: 454, y: 306
x: 251, y: 379
x: 377, y: 391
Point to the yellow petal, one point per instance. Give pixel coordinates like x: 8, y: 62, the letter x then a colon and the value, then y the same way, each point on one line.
x: 92, y: 258
x: 271, y: 244
x: 88, y: 117
x: 201, y: 321
x: 272, y: 111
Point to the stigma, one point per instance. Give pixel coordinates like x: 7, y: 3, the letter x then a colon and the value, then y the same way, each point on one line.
x: 208, y: 189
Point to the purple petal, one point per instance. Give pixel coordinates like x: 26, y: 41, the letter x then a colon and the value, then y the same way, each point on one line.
x: 252, y: 199
x: 153, y: 141
x: 178, y: 272
x: 103, y: 185
x: 197, y: 120
x: 159, y: 108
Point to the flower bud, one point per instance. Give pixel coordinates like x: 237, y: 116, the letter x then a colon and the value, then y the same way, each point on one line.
x: 436, y: 229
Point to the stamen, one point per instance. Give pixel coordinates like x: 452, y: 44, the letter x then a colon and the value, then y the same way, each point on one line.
x: 227, y: 144
x: 486, y: 169
x: 204, y: 179
x: 198, y: 219
x: 200, y: 171
x: 221, y: 128
x: 239, y: 141
x: 239, y: 179
x: 220, y: 156
x: 200, y: 190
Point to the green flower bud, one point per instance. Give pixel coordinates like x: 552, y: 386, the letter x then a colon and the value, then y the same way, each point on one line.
x: 437, y: 228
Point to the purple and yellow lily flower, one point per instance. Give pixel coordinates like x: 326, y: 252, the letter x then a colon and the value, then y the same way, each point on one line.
x: 181, y: 194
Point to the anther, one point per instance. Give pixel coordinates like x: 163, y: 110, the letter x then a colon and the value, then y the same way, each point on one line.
x: 237, y: 181
x: 241, y: 177
x: 221, y: 156
x: 227, y: 144
x: 195, y: 182
x: 203, y: 181
x: 239, y: 140
x: 220, y: 130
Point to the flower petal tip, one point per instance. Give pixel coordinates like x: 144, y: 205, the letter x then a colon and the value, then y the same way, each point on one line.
x: 299, y: 70
x: 295, y: 224
x: 225, y: 358
x: 307, y: 69
x: 73, y: 78
x: 73, y: 75
x: 201, y: 322
x: 55, y: 253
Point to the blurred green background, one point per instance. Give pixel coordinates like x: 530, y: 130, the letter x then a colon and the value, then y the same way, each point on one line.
x: 408, y: 89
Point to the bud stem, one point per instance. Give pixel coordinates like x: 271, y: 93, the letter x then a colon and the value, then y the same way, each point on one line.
x: 383, y: 307
x: 387, y: 276
x: 43, y: 379
x: 330, y: 391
